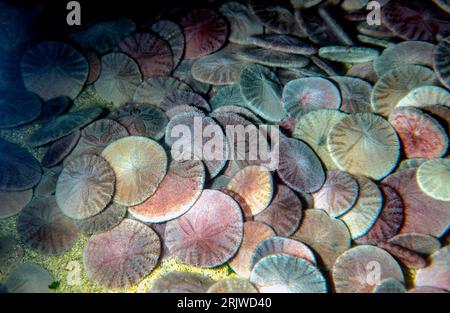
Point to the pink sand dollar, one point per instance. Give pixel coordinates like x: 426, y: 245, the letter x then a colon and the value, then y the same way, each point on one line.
x: 209, y: 234
x: 122, y: 256
x: 176, y: 194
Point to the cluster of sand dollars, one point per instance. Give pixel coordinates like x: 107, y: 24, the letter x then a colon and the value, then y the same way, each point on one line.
x: 360, y: 196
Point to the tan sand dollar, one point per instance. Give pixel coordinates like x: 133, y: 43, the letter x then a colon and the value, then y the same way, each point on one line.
x: 364, y: 144
x: 140, y: 165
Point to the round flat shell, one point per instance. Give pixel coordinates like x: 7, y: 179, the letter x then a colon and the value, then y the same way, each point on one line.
x: 303, y: 95
x: 85, y: 186
x: 406, y: 52
x: 205, y: 30
x: 422, y: 137
x: 299, y: 167
x: 425, y: 96
x: 42, y: 226
x: 140, y: 164
x: 12, y: 202
x: 173, y: 34
x: 283, y: 43
x: 441, y: 63
x: 122, y: 256
x: 152, y: 53
x: 255, y: 185
x: 60, y: 149
x: 366, y: 210
x: 355, y: 94
x: 284, y: 212
x: 254, y: 234
x: 119, y: 79
x: 19, y: 170
x: 52, y: 69
x: 420, y: 243
x: 209, y: 234
x: 220, y: 68
x: 274, y: 58
x: 328, y: 237
x: 281, y: 245
x: 176, y: 194
x: 314, y: 128
x: 362, y: 268
x: 242, y: 22
x: 396, y: 84
x: 287, y: 274
x: 358, y: 139
x: 261, y: 90
x: 338, y: 194
x: 28, y: 278
x: 433, y: 178
x: 436, y: 273
x: 423, y: 214
x: 389, y: 221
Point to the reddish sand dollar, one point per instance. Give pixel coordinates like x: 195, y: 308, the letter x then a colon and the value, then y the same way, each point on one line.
x: 396, y: 84
x: 420, y: 243
x: 281, y: 273
x: 350, y: 273
x: 421, y: 135
x: 366, y: 210
x: 280, y: 245
x: 12, y: 202
x: 152, y: 53
x: 405, y: 256
x: 423, y: 214
x: 358, y: 139
x: 85, y: 186
x: 313, y: 128
x: 176, y: 194
x: 338, y: 194
x: 299, y: 167
x: 433, y: 178
x: 121, y: 257
x: 181, y: 282
x: 209, y: 234
x: 327, y: 236
x: 304, y: 95
x: 232, y: 285
x: 415, y: 19
x: 205, y: 31
x: 389, y: 221
x: 284, y: 212
x: 140, y: 164
x: 436, y: 273
x: 60, y: 149
x: 254, y: 233
x: 43, y: 227
x: 255, y: 185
